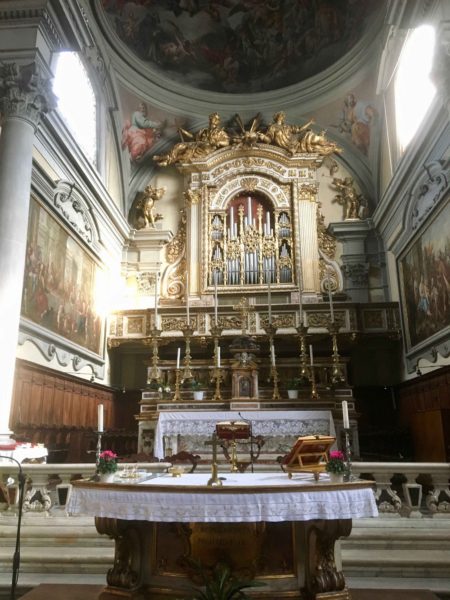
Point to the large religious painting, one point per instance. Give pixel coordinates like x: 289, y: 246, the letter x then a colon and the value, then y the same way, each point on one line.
x: 237, y: 46
x: 60, y: 281
x: 424, y: 271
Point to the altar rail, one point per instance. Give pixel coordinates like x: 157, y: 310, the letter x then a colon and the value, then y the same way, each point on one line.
x: 401, y: 489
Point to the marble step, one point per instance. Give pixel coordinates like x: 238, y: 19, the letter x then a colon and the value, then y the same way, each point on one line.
x: 395, y: 562
x: 59, y: 560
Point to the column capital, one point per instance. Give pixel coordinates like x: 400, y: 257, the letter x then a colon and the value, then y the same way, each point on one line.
x: 25, y: 93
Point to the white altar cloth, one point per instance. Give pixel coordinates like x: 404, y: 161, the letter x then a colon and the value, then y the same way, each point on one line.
x: 25, y: 452
x: 243, y: 497
x: 269, y: 423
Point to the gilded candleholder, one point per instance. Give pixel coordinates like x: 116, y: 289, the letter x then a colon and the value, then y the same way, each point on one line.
x: 177, y: 395
x: 304, y: 372
x: 154, y: 375
x: 187, y: 373
x: 336, y: 372
x: 217, y: 376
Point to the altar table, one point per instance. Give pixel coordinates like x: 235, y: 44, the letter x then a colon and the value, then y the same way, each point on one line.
x: 188, y: 430
x: 280, y: 531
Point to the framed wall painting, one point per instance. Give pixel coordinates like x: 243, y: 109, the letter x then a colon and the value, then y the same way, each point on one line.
x: 424, y: 277
x: 60, y: 282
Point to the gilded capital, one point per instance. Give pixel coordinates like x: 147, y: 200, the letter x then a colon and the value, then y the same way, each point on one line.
x: 24, y: 93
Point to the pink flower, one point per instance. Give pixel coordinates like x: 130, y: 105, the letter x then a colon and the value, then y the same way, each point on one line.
x: 336, y: 455
x: 108, y: 455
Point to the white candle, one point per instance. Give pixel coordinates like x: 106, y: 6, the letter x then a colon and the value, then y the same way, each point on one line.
x: 232, y: 221
x: 345, y: 419
x: 249, y: 210
x: 187, y: 298
x: 215, y: 296
x: 330, y: 298
x: 311, y: 358
x: 218, y: 356
x: 156, y: 300
x: 300, y: 304
x: 272, y: 354
x: 178, y: 357
x: 100, y: 417
x: 269, y: 296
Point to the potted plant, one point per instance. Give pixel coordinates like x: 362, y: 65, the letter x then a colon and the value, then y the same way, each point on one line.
x: 293, y: 385
x: 336, y: 466
x: 107, y: 466
x: 198, y: 389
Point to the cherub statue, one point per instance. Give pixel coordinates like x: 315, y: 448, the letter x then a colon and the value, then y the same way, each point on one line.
x: 349, y: 198
x: 146, y: 205
x: 201, y: 144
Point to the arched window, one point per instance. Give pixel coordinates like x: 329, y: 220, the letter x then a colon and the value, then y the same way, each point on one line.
x: 414, y: 90
x: 76, y: 102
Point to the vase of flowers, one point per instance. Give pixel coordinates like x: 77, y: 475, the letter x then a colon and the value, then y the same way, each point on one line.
x: 107, y: 466
x: 336, y: 467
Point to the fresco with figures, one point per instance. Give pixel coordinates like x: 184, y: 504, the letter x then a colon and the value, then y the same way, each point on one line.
x: 60, y: 280
x: 240, y: 46
x: 425, y: 281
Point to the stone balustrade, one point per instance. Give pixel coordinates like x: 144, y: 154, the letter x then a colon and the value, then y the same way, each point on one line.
x: 402, y: 489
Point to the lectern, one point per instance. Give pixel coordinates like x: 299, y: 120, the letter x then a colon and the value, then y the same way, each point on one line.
x: 309, y: 455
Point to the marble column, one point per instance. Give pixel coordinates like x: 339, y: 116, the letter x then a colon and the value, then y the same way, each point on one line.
x: 24, y: 96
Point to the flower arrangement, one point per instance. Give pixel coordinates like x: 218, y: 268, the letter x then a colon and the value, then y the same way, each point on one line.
x: 107, y: 462
x: 336, y: 462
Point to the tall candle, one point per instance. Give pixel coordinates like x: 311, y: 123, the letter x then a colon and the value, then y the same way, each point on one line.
x: 218, y: 356
x: 272, y: 354
x: 156, y: 300
x: 300, y: 304
x: 178, y: 357
x: 187, y: 298
x: 269, y: 296
x: 100, y: 417
x: 215, y: 296
x: 345, y: 419
x: 330, y: 298
x: 311, y: 358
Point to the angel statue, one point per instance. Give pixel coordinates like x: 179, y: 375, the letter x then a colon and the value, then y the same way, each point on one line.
x: 349, y: 198
x: 146, y: 205
x: 193, y: 146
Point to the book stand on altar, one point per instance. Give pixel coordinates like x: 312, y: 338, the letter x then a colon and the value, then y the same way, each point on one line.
x: 309, y: 455
x: 233, y: 430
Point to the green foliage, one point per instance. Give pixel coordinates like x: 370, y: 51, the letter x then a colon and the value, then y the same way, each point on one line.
x: 222, y: 585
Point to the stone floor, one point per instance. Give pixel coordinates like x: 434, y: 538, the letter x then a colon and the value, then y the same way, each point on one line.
x: 90, y: 592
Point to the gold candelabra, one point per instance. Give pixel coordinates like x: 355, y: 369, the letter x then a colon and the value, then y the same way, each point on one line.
x: 187, y: 373
x: 217, y: 376
x: 302, y: 331
x: 214, y: 479
x: 336, y: 372
x: 177, y: 395
x: 155, y: 374
x: 271, y: 330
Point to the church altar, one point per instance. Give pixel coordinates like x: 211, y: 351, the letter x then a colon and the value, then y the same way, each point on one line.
x: 280, y: 531
x: 189, y: 430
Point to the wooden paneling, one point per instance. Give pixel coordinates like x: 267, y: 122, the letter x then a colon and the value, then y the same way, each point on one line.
x: 60, y: 411
x: 424, y: 405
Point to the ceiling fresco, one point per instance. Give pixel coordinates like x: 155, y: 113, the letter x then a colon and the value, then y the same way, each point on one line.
x: 240, y: 46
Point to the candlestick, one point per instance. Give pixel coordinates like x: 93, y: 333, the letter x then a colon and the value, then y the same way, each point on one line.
x: 345, y: 419
x: 218, y: 356
x: 178, y: 357
x: 330, y: 298
x: 311, y: 358
x: 100, y: 418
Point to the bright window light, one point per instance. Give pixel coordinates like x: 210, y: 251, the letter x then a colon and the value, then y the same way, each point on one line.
x: 414, y: 91
x: 76, y: 101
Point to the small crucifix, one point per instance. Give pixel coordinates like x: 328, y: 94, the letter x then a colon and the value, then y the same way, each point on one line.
x: 244, y: 308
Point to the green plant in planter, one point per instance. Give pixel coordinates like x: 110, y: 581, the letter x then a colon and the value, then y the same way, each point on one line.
x: 222, y: 584
x: 194, y: 385
x: 294, y: 384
